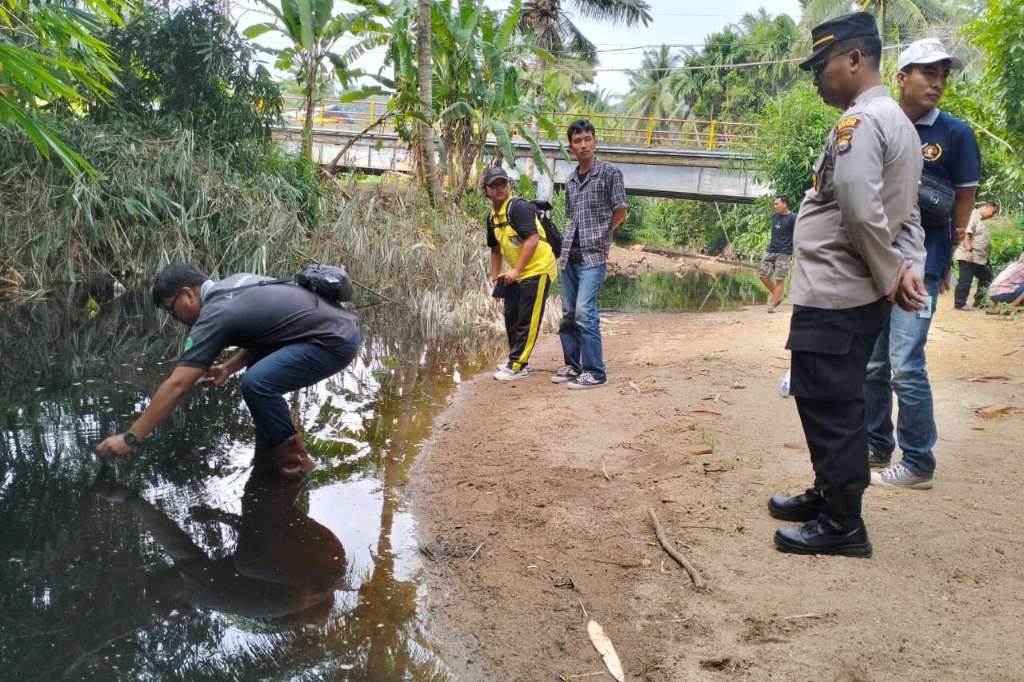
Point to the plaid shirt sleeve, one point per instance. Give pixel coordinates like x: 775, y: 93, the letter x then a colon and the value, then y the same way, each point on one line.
x: 617, y: 188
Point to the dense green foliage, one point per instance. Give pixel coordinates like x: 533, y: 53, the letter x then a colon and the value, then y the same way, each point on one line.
x: 51, y: 57
x: 793, y: 130
x: 188, y: 68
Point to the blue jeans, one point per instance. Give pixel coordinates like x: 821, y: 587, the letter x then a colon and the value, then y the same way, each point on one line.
x: 288, y: 369
x: 580, y: 329
x: 898, y: 364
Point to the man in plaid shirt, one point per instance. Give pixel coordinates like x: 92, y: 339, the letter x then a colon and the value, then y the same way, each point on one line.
x: 595, y: 204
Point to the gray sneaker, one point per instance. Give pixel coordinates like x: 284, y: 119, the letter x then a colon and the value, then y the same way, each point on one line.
x: 586, y: 380
x: 564, y: 375
x: 898, y: 475
x: 877, y: 460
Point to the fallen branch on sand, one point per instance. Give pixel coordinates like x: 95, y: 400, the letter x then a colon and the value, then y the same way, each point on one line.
x: 666, y: 544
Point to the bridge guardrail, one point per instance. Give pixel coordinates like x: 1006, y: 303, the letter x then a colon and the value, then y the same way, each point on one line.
x: 647, y: 131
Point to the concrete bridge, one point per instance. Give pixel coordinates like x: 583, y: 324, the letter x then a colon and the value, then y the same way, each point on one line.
x: 704, y: 174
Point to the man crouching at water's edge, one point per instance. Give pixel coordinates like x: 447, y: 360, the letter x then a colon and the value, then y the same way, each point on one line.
x: 289, y: 338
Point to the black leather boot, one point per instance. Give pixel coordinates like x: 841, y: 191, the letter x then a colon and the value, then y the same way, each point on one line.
x: 824, y: 535
x: 803, y: 507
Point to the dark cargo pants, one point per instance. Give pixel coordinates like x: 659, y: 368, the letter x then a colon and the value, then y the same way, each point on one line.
x: 830, y: 352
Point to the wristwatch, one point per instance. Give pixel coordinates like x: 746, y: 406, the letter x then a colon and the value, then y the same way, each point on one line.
x: 131, y: 440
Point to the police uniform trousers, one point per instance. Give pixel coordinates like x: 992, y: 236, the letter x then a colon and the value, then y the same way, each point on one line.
x: 830, y: 352
x: 524, y: 313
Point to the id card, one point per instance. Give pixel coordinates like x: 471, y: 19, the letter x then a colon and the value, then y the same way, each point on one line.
x: 927, y: 312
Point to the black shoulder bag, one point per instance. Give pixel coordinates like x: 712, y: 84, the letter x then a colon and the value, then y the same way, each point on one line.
x: 935, y: 198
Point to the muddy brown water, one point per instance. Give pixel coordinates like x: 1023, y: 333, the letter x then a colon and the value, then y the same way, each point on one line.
x: 177, y: 563
x: 689, y: 291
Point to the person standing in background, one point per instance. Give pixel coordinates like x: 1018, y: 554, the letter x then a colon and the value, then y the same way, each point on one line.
x: 779, y: 255
x: 972, y: 258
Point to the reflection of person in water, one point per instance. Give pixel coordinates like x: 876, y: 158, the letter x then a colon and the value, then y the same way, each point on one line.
x: 286, y: 566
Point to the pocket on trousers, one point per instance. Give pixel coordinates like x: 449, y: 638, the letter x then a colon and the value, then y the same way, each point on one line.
x: 823, y: 366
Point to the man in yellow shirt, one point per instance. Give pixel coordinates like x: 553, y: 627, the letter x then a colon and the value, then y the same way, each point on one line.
x: 515, y: 235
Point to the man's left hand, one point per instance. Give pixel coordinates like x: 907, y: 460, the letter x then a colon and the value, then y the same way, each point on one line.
x: 114, y: 445
x: 510, y: 276
x: 944, y: 283
x: 911, y: 294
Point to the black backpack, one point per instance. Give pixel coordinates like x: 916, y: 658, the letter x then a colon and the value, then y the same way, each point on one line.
x: 554, y: 236
x: 326, y: 281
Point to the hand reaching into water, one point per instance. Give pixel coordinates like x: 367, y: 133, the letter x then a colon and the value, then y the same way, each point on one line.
x: 215, y: 376
x: 113, y: 445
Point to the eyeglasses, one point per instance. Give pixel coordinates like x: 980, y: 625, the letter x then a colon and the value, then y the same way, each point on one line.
x: 818, y: 69
x: 169, y: 309
x: 499, y: 183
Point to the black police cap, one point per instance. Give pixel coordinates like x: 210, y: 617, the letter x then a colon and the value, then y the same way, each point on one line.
x: 825, y: 35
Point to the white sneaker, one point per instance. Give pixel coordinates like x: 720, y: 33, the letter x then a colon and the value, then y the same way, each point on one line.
x: 899, y: 476
x: 508, y: 374
x: 563, y: 375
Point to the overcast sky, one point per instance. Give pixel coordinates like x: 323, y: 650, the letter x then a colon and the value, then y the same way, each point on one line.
x: 674, y: 22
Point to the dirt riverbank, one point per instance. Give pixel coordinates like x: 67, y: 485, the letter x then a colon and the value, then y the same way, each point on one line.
x: 532, y: 500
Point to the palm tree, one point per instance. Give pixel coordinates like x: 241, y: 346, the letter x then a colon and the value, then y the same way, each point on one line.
x: 651, y: 91
x: 546, y: 22
x: 425, y: 132
x: 897, y: 19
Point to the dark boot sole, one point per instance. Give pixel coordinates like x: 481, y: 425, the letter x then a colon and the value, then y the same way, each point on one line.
x: 792, y: 514
x: 858, y: 551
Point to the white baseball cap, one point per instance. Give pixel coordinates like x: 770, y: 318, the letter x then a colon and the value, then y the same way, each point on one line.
x: 926, y: 51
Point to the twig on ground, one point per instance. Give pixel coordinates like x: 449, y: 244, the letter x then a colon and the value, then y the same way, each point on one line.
x: 666, y: 544
x: 475, y: 551
x: 809, y: 615
x: 609, y: 478
x: 620, y: 564
x: 576, y: 677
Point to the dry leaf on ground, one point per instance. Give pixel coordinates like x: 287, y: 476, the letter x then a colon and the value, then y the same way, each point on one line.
x: 605, y: 648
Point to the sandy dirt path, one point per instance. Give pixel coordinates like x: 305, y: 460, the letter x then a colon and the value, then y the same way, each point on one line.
x: 521, y: 523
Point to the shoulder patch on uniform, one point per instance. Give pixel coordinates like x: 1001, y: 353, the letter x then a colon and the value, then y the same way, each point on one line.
x: 844, y: 141
x: 931, y: 152
x: 188, y: 343
x: 848, y: 123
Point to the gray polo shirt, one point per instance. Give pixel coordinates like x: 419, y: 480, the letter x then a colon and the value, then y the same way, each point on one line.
x: 860, y: 219
x: 261, y: 319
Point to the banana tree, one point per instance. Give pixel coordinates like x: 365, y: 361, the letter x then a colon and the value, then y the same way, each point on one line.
x: 314, y: 31
x: 480, y: 88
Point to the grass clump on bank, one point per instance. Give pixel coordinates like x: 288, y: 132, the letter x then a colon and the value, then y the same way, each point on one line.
x: 159, y: 199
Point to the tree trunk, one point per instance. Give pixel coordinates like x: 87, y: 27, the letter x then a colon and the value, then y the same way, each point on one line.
x: 307, y: 124
x: 424, y: 132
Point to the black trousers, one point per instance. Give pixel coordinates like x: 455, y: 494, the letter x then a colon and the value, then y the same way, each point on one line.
x: 524, y: 313
x: 968, y: 271
x: 830, y: 353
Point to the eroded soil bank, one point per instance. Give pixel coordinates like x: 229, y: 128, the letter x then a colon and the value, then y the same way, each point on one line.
x: 532, y: 500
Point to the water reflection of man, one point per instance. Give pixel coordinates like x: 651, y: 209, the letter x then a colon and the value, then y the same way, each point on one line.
x: 289, y: 339
x: 285, y: 567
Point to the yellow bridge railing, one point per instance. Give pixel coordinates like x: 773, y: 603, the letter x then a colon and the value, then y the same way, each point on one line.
x: 641, y: 131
